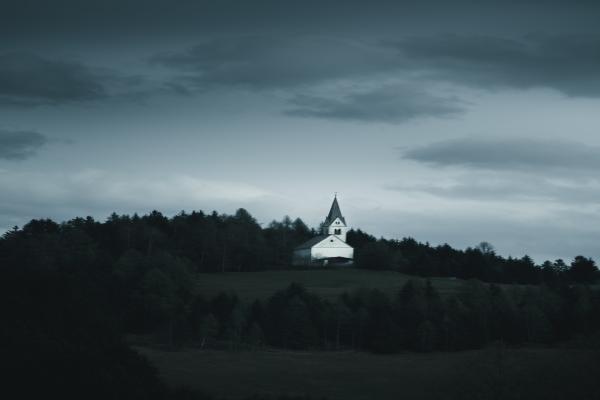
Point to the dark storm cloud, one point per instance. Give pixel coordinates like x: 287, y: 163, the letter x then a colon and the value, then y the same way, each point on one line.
x: 568, y: 63
x: 507, y: 154
x: 19, y: 145
x: 266, y: 62
x: 27, y: 80
x: 392, y: 104
x: 295, y: 63
x: 109, y: 17
x: 118, y: 16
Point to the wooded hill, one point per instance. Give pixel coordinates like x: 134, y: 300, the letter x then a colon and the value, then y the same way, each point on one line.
x: 218, y: 243
x: 71, y: 291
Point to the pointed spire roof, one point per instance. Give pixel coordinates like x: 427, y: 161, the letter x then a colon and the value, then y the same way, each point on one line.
x: 334, y: 212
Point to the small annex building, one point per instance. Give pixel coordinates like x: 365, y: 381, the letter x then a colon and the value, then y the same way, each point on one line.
x: 329, y: 248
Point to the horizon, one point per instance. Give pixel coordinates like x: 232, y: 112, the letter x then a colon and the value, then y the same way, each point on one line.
x: 316, y: 228
x: 448, y: 123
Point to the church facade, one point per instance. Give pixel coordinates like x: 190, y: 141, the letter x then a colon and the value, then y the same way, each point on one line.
x: 329, y: 248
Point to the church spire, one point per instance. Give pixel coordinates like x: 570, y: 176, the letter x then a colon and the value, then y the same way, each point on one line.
x: 334, y: 212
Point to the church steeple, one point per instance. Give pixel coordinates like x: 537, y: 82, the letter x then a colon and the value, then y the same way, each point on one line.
x: 334, y: 212
x: 335, y: 223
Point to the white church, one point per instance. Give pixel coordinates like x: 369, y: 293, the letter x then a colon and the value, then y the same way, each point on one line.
x: 329, y: 248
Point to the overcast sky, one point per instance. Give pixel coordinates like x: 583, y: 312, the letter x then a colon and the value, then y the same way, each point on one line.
x: 450, y: 122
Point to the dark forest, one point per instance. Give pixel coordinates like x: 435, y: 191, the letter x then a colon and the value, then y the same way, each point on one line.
x: 75, y: 292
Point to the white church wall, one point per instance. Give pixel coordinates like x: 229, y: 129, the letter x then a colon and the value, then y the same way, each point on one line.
x: 332, y: 246
x: 331, y: 241
x: 330, y: 252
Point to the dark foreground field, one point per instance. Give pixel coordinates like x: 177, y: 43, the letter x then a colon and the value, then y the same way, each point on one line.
x: 493, y: 373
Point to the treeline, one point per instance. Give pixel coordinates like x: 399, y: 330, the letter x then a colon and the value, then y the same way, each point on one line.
x: 218, y: 242
x: 479, y: 262
x: 144, y: 268
x: 416, y: 318
x: 209, y: 242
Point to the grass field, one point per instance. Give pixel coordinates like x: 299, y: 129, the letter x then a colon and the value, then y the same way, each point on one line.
x: 328, y: 283
x: 490, y: 373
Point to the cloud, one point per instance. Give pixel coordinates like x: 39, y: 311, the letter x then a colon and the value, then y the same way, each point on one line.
x: 509, y: 186
x: 151, y: 18
x: 27, y: 79
x: 299, y: 64
x: 268, y: 62
x: 538, y: 208
x: 523, y: 195
x: 392, y: 104
x: 568, y: 63
x: 507, y: 154
x: 147, y: 18
x: 544, y: 217
x: 19, y: 145
x: 565, y: 62
x: 303, y: 63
